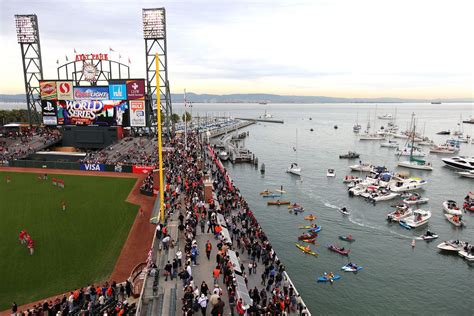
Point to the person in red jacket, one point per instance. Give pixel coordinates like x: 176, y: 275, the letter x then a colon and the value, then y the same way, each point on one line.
x: 22, y: 236
x: 240, y: 307
x: 31, y: 246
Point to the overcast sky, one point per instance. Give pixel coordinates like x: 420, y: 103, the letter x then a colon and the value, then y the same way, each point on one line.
x: 346, y: 48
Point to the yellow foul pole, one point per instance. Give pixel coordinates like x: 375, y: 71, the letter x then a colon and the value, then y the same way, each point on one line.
x: 160, y: 144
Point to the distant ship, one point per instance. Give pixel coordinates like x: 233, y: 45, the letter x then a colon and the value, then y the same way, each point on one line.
x: 436, y: 102
x: 262, y: 102
x: 469, y: 121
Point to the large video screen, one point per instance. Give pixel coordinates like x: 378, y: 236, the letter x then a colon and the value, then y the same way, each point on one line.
x: 121, y: 103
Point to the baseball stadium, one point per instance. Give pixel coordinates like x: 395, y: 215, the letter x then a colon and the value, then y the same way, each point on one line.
x: 102, y: 196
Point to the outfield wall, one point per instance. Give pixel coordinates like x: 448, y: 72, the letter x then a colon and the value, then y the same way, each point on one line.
x: 77, y: 166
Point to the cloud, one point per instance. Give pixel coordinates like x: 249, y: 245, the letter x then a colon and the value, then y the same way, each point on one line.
x: 379, y: 48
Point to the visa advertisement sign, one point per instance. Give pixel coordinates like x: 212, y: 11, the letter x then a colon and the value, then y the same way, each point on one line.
x: 92, y: 166
x: 118, y: 91
x: 91, y: 93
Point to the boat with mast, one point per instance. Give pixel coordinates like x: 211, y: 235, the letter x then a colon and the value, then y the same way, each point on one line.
x: 414, y: 163
x: 294, y: 168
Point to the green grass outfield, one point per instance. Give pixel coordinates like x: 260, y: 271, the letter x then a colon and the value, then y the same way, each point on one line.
x: 73, y: 248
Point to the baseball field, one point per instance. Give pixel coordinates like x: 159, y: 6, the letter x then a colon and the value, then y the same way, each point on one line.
x: 72, y: 248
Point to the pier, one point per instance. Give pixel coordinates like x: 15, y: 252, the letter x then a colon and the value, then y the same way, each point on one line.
x: 229, y: 129
x: 265, y: 120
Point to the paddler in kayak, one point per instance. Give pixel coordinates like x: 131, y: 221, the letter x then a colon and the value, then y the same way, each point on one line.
x: 349, y: 237
x: 307, y: 249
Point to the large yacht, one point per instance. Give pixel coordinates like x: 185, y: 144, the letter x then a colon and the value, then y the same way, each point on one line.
x: 460, y: 162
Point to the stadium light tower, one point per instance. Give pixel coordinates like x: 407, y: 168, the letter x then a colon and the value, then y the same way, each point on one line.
x: 154, y: 33
x: 28, y: 37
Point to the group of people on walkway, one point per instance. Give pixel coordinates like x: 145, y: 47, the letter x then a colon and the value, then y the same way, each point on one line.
x: 272, y: 293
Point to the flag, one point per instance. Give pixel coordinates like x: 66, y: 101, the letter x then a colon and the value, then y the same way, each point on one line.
x: 57, y: 61
x: 67, y: 58
x: 129, y: 61
x: 120, y: 56
x: 110, y: 49
x: 75, y: 51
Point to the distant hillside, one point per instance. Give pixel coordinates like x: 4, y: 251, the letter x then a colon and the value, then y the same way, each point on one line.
x: 261, y: 97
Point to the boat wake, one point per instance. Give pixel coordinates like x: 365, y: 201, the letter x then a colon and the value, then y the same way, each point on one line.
x: 331, y: 206
x: 379, y: 229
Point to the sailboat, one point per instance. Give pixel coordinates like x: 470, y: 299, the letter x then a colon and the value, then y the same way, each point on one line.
x: 294, y: 168
x: 368, y: 136
x: 415, y: 163
x: 356, y: 128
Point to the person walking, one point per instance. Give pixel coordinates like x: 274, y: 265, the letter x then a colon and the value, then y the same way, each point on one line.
x: 202, y: 301
x: 168, y: 268
x: 208, y: 250
x: 218, y: 309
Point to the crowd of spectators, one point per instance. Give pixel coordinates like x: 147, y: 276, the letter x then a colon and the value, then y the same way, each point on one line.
x: 147, y: 184
x: 129, y: 150
x: 105, y: 299
x: 20, y: 144
x: 184, y: 193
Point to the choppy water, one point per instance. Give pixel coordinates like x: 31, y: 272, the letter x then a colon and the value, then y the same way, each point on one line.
x: 396, y: 278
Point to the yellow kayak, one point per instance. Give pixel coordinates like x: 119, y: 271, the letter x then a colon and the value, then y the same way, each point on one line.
x: 302, y: 248
x: 266, y: 192
x: 310, y: 218
x: 308, y: 226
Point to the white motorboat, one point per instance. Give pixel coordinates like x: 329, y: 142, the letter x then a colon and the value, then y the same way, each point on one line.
x: 443, y: 149
x: 223, y: 155
x: 387, y: 116
x: 419, y: 218
x: 402, y: 185
x: 456, y: 220
x: 452, y: 245
x: 363, y: 167
x: 390, y: 144
x: 460, y: 162
x: 450, y: 207
x: 383, y: 196
x: 371, y: 137
x: 416, y: 164
x: 468, y: 255
x: 409, y: 151
x: 467, y: 174
x: 359, y: 189
x: 356, y: 128
x: 294, y: 169
x: 331, y: 173
x: 415, y: 199
x: 400, y: 213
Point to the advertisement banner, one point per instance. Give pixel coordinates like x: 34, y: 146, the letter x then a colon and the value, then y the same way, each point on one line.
x: 142, y: 169
x: 50, y: 120
x: 118, y: 91
x: 48, y: 90
x: 91, y: 93
x: 64, y: 90
x: 135, y: 89
x: 92, y: 166
x: 48, y: 108
x: 87, y: 112
x: 137, y: 113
